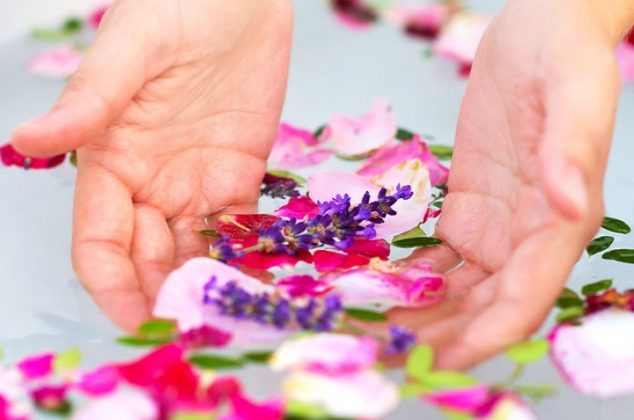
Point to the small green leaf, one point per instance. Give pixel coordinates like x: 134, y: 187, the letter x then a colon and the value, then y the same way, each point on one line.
x: 142, y: 341
x: 64, y: 409
x: 317, y: 133
x: 419, y: 362
x: 596, y: 287
x: 260, y: 357
x: 215, y: 362
x: 286, y: 174
x: 54, y: 35
x: 73, y: 158
x: 442, y: 152
x: 599, y: 244
x: 193, y: 416
x: 615, y: 225
x: 568, y: 298
x: 209, y: 233
x: 404, y: 135
x: 69, y: 359
x: 413, y: 390
x: 158, y: 327
x: 528, y: 351
x: 307, y: 411
x: 72, y: 26
x: 366, y: 315
x: 415, y: 232
x: 422, y: 242
x: 447, y: 379
x: 620, y: 255
x: 535, y: 392
x: 569, y: 314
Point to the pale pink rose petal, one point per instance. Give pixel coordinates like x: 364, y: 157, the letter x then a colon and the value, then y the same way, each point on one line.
x: 387, y: 285
x: 357, y: 136
x: 296, y: 148
x: 14, y: 398
x: 96, y: 16
x: 327, y: 354
x: 365, y: 394
x: 124, y: 404
x: 460, y: 37
x: 625, y: 57
x: 396, y: 152
x: 181, y: 299
x: 58, y: 63
x: 409, y: 213
x: 324, y: 185
x: 597, y: 357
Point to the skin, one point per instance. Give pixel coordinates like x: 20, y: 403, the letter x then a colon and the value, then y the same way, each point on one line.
x: 173, y: 116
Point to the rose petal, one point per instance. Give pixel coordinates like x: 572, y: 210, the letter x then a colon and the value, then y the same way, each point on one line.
x: 326, y: 261
x: 60, y: 62
x: 296, y: 148
x: 11, y: 157
x: 298, y: 207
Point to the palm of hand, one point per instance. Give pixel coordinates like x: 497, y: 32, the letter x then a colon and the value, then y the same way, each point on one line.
x: 191, y: 143
x: 511, y: 236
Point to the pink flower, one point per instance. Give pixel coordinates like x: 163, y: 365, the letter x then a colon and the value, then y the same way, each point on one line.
x: 597, y: 357
x: 396, y: 152
x: 335, y: 372
x: 354, y: 14
x: 296, y: 148
x: 181, y: 299
x: 298, y: 207
x: 95, y: 18
x: 125, y: 404
x: 11, y: 157
x: 58, y: 63
x: 625, y: 57
x: 388, y: 285
x: 324, y: 185
x: 481, y: 402
x: 460, y: 37
x: 423, y: 21
x: 37, y: 367
x: 357, y: 136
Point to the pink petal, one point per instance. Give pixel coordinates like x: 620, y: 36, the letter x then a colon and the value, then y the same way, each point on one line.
x: 128, y: 404
x: 97, y: 15
x: 242, y: 226
x: 296, y: 148
x: 36, y: 367
x: 424, y: 21
x: 324, y: 185
x: 50, y: 397
x: 302, y: 285
x: 355, y: 136
x: 625, y: 57
x: 459, y: 39
x: 354, y: 14
x: 597, y: 357
x: 205, y: 336
x: 327, y: 261
x: 245, y: 409
x: 11, y: 157
x: 464, y: 400
x: 144, y: 371
x: 58, y: 63
x: 298, y: 207
x: 379, y: 248
x: 100, y: 381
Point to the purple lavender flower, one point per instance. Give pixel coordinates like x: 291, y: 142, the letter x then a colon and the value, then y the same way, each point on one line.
x: 222, y: 250
x: 401, y: 340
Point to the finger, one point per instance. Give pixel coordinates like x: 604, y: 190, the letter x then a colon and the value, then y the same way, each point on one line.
x: 441, y: 258
x: 153, y: 249
x: 120, y: 60
x: 580, y: 111
x: 102, y: 235
x: 511, y: 305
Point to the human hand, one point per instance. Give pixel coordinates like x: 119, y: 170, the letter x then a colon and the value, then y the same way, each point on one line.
x: 525, y: 189
x: 173, y: 114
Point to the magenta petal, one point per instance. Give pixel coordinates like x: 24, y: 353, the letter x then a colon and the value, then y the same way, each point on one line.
x: 11, y: 157
x: 37, y: 366
x: 143, y: 371
x: 205, y: 336
x: 97, y: 15
x: 50, y: 397
x: 302, y: 285
x: 245, y: 409
x: 379, y: 248
x: 298, y: 207
x: 327, y: 261
x: 625, y: 57
x: 296, y: 148
x: 100, y: 381
x: 466, y: 400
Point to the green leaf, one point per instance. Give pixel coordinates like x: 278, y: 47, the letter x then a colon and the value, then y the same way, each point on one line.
x: 260, y: 357
x: 535, y: 392
x: 413, y: 390
x: 215, y: 362
x: 442, y: 152
x: 447, y: 379
x: 422, y: 242
x: 158, y: 327
x: 455, y: 415
x: 366, y: 315
x: 210, y: 233
x: 67, y: 360
x: 528, y: 351
x: 286, y: 174
x: 415, y: 232
x: 620, y: 255
x: 73, y: 26
x: 143, y: 341
x: 193, y: 416
x: 404, y: 135
x: 615, y: 225
x: 568, y: 298
x: 63, y: 410
x: 599, y: 244
x: 419, y: 362
x: 317, y: 133
x: 54, y: 35
x: 301, y: 410
x: 73, y: 158
x: 569, y: 314
x: 596, y: 287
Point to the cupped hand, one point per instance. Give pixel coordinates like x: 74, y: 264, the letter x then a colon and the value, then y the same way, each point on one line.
x: 173, y: 113
x: 525, y: 190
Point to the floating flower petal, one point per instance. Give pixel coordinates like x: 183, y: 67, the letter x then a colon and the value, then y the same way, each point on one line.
x: 11, y: 157
x: 296, y: 148
x: 58, y: 63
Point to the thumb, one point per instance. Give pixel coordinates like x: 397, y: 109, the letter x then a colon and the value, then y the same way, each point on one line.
x: 114, y: 69
x: 580, y: 111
